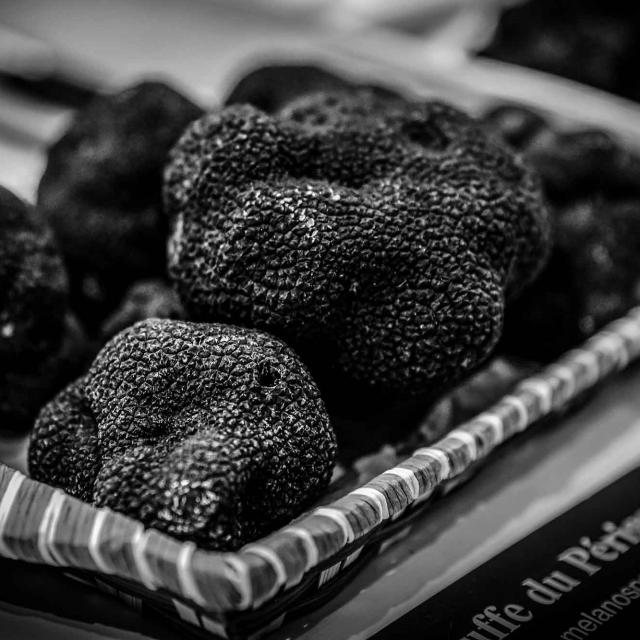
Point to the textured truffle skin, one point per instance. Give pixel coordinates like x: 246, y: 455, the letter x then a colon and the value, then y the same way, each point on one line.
x: 38, y: 338
x: 101, y: 192
x: 210, y: 433
x: 270, y: 87
x: 379, y: 237
x: 593, y: 274
x: 145, y: 299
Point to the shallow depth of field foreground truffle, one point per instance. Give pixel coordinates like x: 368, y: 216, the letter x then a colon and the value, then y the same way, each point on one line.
x: 210, y: 433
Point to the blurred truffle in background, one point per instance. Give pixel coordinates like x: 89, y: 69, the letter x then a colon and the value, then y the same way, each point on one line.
x: 41, y: 343
x: 271, y: 87
x: 590, y: 41
x: 145, y: 299
x: 101, y: 193
x: 592, y: 183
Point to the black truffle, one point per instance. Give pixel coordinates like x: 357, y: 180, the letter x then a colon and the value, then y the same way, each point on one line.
x: 593, y: 275
x: 515, y: 124
x: 210, y: 433
x: 40, y: 342
x: 145, y: 299
x: 593, y: 42
x: 583, y: 164
x: 101, y: 192
x: 379, y: 237
x: 271, y: 87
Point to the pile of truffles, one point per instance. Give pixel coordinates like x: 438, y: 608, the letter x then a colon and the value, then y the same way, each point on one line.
x: 592, y: 185
x: 284, y: 281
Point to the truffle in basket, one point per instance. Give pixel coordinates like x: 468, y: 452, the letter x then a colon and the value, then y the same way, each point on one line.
x: 593, y: 276
x: 379, y: 237
x: 210, y: 433
x: 41, y: 344
x: 101, y: 192
x: 271, y: 87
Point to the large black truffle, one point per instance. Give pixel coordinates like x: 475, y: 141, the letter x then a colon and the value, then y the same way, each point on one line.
x: 40, y: 343
x: 593, y: 275
x: 379, y: 237
x: 210, y: 433
x: 101, y: 192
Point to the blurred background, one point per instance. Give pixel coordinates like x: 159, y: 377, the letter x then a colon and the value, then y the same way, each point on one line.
x: 51, y: 51
x: 53, y: 55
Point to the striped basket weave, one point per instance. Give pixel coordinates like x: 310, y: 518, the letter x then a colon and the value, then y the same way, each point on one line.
x: 236, y: 594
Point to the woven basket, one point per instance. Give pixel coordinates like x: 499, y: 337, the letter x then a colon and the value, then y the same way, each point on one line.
x: 239, y: 594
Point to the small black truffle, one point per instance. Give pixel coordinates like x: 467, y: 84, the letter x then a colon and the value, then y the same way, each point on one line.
x: 145, y: 299
x: 101, y: 192
x: 270, y: 87
x: 210, y: 433
x: 377, y: 236
x: 515, y: 124
x: 40, y: 342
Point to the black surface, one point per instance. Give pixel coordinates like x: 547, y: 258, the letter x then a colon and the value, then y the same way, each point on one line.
x: 34, y: 591
x: 498, y: 582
